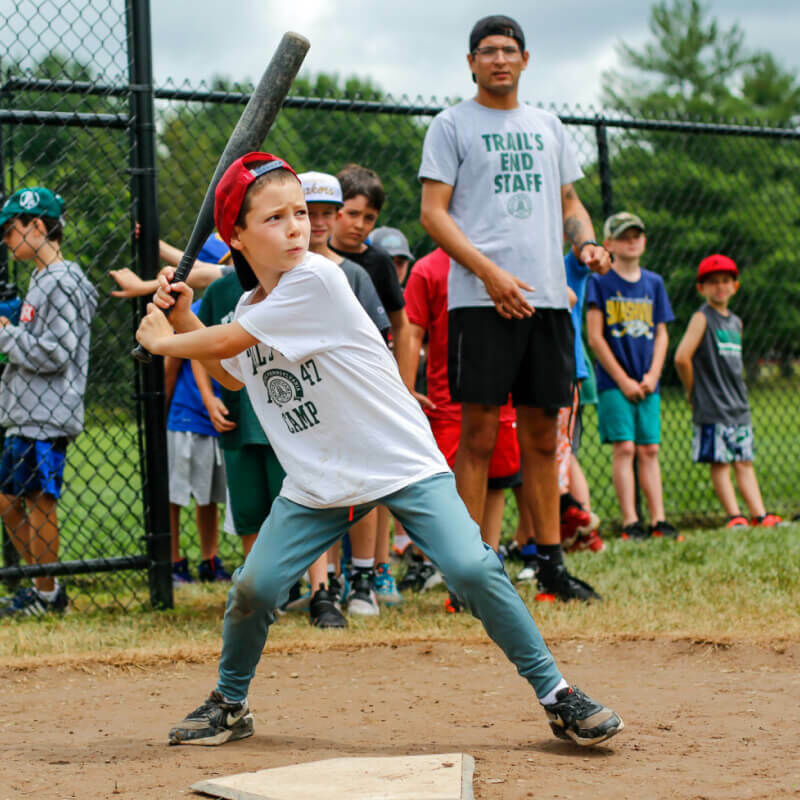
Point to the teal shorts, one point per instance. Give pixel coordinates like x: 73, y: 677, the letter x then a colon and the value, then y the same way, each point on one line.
x: 620, y: 420
x: 255, y: 477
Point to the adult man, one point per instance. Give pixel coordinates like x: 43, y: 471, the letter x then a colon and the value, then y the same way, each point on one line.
x: 497, y: 195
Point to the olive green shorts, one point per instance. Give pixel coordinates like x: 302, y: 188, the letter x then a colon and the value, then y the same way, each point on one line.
x: 255, y: 477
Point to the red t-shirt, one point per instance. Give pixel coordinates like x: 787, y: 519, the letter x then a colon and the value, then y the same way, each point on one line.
x: 426, y: 306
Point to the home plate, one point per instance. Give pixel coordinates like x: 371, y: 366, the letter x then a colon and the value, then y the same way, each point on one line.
x: 437, y: 777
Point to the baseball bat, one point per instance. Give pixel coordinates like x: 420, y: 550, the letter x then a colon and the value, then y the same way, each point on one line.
x: 248, y: 135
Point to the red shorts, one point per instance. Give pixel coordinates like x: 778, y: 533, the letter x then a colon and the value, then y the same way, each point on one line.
x: 505, y: 461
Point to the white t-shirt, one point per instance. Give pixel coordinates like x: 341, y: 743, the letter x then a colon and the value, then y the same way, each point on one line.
x: 328, y: 394
x: 506, y: 169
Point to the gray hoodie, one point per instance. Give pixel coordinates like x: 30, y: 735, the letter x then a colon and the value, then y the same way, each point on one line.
x: 41, y: 391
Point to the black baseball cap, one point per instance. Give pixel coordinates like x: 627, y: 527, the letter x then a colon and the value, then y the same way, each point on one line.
x: 496, y: 25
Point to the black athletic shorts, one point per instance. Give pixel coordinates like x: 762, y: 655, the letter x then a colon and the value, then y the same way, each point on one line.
x: 533, y: 359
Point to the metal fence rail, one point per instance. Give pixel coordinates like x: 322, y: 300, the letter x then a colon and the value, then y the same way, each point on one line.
x: 92, y: 125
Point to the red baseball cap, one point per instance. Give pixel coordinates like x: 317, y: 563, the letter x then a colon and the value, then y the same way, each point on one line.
x: 716, y: 263
x: 232, y: 186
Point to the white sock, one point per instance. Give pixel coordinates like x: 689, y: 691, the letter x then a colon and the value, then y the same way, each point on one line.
x: 49, y: 596
x: 331, y: 569
x: 550, y: 697
x: 363, y: 563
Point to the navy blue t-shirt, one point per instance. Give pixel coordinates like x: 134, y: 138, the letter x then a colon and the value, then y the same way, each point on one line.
x: 187, y: 411
x: 631, y: 312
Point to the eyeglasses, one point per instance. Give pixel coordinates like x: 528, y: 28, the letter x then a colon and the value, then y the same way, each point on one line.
x: 490, y: 52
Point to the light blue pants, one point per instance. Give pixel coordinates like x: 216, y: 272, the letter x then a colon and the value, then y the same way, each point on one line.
x: 431, y: 511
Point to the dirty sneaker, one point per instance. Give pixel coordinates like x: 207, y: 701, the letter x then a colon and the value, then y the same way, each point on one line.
x: 575, y: 716
x: 555, y: 580
x: 215, y: 722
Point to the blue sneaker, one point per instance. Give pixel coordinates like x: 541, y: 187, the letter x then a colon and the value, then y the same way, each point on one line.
x: 27, y: 602
x: 212, y: 570
x: 181, y: 573
x: 385, y: 587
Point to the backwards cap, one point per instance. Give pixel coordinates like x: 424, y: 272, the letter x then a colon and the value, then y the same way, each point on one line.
x: 496, y: 25
x: 34, y: 200
x: 716, y: 263
x: 232, y: 187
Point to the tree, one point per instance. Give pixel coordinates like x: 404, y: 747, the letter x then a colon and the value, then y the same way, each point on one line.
x: 703, y: 192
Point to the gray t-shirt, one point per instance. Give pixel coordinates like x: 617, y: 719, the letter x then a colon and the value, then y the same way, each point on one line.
x: 506, y: 169
x: 41, y: 391
x: 719, y: 394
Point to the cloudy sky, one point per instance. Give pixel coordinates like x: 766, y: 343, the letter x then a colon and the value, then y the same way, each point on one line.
x: 417, y: 47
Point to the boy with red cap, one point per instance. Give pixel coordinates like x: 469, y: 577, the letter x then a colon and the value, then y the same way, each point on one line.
x: 709, y: 363
x: 329, y: 396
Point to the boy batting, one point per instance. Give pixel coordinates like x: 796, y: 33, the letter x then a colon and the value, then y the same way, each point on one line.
x: 350, y: 436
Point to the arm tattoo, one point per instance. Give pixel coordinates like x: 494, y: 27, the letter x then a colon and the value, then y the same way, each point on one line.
x: 575, y: 230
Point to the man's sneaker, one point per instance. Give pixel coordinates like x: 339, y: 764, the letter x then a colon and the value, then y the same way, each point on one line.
x: 362, y: 598
x: 211, y: 569
x: 27, y: 602
x: 575, y: 716
x: 385, y: 587
x: 555, y: 580
x: 181, y: 573
x: 634, y: 531
x: 663, y: 530
x: 215, y: 722
x: 323, y: 611
x: 513, y: 552
x: 766, y: 521
x: 737, y: 521
x: 338, y: 588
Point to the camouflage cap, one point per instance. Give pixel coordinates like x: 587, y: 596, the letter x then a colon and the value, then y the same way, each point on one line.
x: 621, y: 222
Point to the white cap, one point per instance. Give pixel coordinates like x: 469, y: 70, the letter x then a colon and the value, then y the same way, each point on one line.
x: 319, y: 187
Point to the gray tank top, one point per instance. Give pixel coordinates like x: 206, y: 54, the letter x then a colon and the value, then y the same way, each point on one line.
x: 719, y: 394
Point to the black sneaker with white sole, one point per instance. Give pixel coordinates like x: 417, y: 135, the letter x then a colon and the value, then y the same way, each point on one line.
x: 323, y: 611
x: 554, y: 579
x: 215, y: 722
x: 575, y: 716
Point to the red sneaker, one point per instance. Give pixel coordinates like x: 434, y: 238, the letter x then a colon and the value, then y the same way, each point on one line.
x: 737, y: 521
x: 766, y: 521
x: 573, y: 520
x: 587, y: 541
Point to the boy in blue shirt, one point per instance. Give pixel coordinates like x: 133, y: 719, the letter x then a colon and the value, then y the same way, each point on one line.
x: 626, y: 322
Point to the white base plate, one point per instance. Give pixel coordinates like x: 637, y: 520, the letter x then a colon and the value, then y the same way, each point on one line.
x: 430, y: 777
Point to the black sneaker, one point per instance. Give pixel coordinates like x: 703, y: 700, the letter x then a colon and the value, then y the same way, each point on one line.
x: 323, y: 611
x: 362, y: 600
x: 338, y: 588
x: 410, y: 579
x: 212, y: 569
x: 453, y: 605
x: 576, y: 716
x: 27, y: 602
x: 663, y: 530
x: 215, y: 722
x: 634, y: 531
x: 420, y: 577
x: 554, y: 579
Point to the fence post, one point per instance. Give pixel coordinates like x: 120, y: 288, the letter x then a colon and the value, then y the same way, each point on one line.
x: 145, y: 206
x: 604, y: 164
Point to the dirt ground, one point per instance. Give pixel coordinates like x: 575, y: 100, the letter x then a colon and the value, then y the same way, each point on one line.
x: 702, y: 721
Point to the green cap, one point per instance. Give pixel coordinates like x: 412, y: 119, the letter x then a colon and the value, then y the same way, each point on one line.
x: 619, y: 223
x: 35, y: 200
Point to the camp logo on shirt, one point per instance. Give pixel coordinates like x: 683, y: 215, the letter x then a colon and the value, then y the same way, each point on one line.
x: 516, y: 176
x: 634, y: 315
x: 27, y: 313
x: 282, y: 387
x: 729, y: 343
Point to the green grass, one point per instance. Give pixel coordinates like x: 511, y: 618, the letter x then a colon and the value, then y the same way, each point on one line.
x: 718, y: 586
x: 101, y: 510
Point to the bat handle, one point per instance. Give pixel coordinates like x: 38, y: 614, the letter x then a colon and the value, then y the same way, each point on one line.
x: 141, y: 355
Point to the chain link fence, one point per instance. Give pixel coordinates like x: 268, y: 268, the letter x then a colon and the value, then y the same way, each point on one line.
x: 73, y: 117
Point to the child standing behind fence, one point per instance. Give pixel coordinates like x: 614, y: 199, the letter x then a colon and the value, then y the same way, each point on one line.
x: 627, y: 327
x: 709, y: 363
x: 41, y: 391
